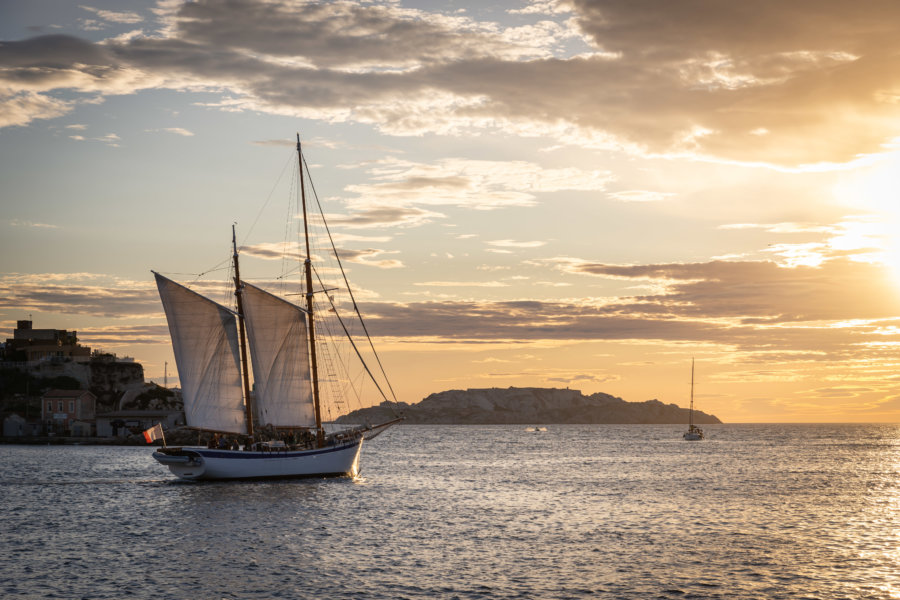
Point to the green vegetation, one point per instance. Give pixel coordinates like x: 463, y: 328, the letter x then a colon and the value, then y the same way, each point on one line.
x: 15, y: 382
x: 157, y: 392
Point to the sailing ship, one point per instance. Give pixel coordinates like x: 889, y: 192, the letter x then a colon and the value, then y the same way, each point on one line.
x: 278, y: 430
x: 693, y: 433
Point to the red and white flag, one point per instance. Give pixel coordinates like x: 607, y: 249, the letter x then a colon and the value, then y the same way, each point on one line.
x: 154, y: 433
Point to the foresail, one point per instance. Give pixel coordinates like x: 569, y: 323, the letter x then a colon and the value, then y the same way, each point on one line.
x: 277, y: 336
x: 205, y: 342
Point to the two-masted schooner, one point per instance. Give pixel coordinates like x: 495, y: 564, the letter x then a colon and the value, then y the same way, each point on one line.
x: 277, y: 431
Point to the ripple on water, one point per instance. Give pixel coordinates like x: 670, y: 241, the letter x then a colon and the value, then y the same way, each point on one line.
x: 776, y: 511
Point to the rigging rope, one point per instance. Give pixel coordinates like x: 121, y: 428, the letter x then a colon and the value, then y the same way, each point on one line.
x: 352, y: 298
x: 353, y: 344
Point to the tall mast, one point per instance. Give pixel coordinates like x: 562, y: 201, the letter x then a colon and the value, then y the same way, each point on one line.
x: 238, y: 294
x: 691, y: 428
x: 320, y: 433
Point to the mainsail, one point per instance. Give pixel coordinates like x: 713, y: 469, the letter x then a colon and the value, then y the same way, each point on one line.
x: 205, y: 343
x: 277, y: 337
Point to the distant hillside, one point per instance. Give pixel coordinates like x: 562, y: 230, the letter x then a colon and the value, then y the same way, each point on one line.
x: 524, y: 406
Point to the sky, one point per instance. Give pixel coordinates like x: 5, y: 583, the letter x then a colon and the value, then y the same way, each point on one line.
x: 548, y: 193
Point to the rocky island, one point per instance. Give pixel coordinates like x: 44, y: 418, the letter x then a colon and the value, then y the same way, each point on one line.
x: 527, y: 406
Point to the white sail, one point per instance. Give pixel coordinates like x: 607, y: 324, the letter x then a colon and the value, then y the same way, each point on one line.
x: 277, y: 336
x: 205, y: 342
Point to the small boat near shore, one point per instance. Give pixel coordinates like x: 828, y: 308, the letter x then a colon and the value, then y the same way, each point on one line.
x: 277, y: 430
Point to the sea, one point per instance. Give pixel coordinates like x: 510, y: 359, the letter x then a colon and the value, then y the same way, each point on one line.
x: 480, y: 512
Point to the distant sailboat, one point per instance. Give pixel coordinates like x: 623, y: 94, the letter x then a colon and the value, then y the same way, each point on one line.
x: 280, y: 425
x: 693, y: 433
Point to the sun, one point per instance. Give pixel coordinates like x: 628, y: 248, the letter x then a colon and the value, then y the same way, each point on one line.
x: 873, y: 190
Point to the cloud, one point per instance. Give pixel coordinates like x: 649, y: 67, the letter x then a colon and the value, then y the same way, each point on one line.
x: 124, y: 335
x: 841, y: 392
x: 783, y: 227
x: 110, y: 139
x: 294, y: 252
x: 583, y: 378
x: 30, y: 70
x: 838, y: 289
x: 713, y: 300
x: 128, y: 18
x: 18, y: 223
x: 384, y: 216
x: 657, y: 28
x: 547, y: 7
x: 349, y: 237
x: 489, y: 284
x: 369, y: 257
x: 515, y: 244
x: 74, y: 293
x: 743, y: 83
x: 178, y: 131
x: 531, y: 322
x: 23, y: 107
x: 352, y: 36
x: 766, y: 67
x: 474, y: 184
x: 760, y: 311
x: 274, y: 251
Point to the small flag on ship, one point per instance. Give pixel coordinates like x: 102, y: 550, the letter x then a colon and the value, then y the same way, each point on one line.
x: 154, y: 433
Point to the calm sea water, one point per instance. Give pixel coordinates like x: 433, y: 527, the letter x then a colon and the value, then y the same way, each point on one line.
x: 765, y: 511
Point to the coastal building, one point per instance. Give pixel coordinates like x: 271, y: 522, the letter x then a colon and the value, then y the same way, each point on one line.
x: 122, y: 423
x: 71, y: 412
x: 18, y: 426
x: 51, y: 353
x: 29, y: 345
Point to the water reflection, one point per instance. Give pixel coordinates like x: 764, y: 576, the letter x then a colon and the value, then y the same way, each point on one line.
x: 474, y: 512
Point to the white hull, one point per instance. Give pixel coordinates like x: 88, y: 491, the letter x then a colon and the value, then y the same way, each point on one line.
x: 204, y: 463
x: 693, y: 434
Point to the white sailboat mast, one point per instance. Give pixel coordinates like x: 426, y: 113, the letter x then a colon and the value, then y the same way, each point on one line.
x: 242, y: 333
x: 692, y: 395
x: 314, y: 368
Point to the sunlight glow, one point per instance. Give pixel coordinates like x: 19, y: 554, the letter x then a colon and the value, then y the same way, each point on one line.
x: 873, y: 189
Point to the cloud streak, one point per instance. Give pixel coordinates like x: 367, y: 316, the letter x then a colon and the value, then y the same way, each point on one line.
x: 474, y: 184
x: 111, y: 302
x: 754, y: 304
x: 839, y: 289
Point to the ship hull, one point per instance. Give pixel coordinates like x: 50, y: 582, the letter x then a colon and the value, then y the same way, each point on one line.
x: 195, y: 464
